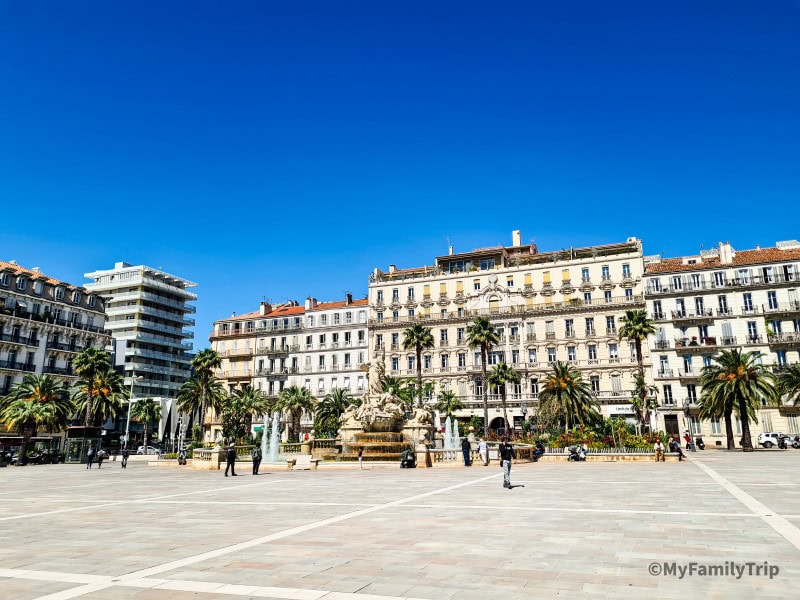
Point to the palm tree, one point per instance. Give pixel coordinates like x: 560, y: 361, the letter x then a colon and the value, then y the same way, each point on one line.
x: 237, y: 412
x: 501, y: 375
x: 448, y: 403
x: 146, y: 411
x: 109, y: 394
x: 294, y: 400
x: 190, y: 396
x: 736, y: 382
x: 481, y: 334
x: 565, y: 395
x: 643, y: 401
x: 87, y: 364
x: 788, y: 383
x: 636, y: 328
x: 38, y: 401
x: 330, y: 410
x: 203, y: 365
x: 419, y: 337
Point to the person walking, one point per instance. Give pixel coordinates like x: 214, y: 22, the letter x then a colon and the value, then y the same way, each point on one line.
x: 483, y: 450
x: 230, y: 460
x: 361, y: 458
x: 659, y: 448
x: 125, y: 454
x: 255, y: 453
x: 90, y: 454
x: 466, y: 449
x: 101, y: 456
x: 507, y: 454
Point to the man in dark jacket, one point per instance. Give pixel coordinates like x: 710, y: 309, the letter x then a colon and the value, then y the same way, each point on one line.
x: 466, y: 449
x: 506, y: 453
x: 230, y: 459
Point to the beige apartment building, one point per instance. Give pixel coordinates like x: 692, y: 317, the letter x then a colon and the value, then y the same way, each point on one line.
x: 563, y: 305
x: 716, y: 300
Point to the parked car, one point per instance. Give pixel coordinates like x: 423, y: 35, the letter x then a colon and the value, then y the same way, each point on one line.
x: 147, y: 450
x: 768, y: 440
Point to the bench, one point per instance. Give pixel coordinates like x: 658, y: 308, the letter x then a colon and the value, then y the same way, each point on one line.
x: 302, y: 462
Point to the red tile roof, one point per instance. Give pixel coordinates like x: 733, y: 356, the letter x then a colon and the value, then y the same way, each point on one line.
x: 19, y: 270
x: 282, y: 311
x: 742, y: 258
x: 339, y: 304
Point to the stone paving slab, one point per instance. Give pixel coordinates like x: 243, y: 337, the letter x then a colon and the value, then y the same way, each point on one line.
x: 588, y: 530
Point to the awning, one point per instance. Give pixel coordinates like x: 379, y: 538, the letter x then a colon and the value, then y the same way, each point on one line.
x: 21, y: 304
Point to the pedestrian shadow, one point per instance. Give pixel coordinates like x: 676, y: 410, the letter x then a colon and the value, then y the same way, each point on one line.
x: 511, y: 487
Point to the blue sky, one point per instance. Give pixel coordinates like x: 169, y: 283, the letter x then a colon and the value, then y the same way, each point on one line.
x: 281, y: 149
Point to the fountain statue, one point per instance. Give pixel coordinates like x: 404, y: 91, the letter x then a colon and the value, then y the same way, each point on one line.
x: 380, y: 425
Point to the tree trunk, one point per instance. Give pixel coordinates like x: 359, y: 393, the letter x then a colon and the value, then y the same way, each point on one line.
x: 729, y: 431
x: 747, y: 442
x: 203, y: 412
x: 505, y: 413
x: 485, y: 389
x: 643, y: 392
x: 22, y: 457
x: 89, y: 390
x: 145, y: 437
x: 419, y: 375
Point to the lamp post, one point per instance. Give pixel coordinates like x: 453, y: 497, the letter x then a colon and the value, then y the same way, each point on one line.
x: 524, y: 411
x: 133, y: 378
x: 687, y: 413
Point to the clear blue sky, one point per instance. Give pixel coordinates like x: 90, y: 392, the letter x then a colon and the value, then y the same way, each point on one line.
x: 280, y: 149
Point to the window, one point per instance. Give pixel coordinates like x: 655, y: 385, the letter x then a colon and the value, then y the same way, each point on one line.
x: 772, y: 299
x: 59, y: 293
x: 411, y: 313
x: 532, y: 356
x: 21, y: 283
x: 476, y: 285
x: 395, y: 295
x: 752, y: 331
x: 412, y: 363
x: 722, y: 302
x: 411, y: 293
x: 587, y: 297
x: 696, y: 427
x: 509, y: 281
x: 347, y: 360
x: 395, y: 341
x: 585, y: 275
x: 791, y: 421
x: 395, y: 315
x: 680, y: 307
x: 310, y: 320
x: 487, y: 263
x: 323, y: 320
x: 337, y: 318
x: 379, y: 340
x: 515, y: 356
x: 626, y: 271
x: 616, y: 385
x: 607, y: 296
x: 590, y: 326
x: 462, y: 360
x: 744, y: 276
x: 395, y: 363
x: 460, y: 333
x: 362, y: 316
x: 551, y: 355
x: 611, y: 326
x: 444, y: 363
x: 594, y: 381
x: 677, y: 283
x: 691, y: 392
x: 4, y: 279
x: 379, y: 297
x: 606, y: 272
x: 699, y: 306
x: 569, y: 327
x: 571, y: 355
x: 668, y: 399
x: 592, y: 349
x: 550, y: 332
x: 628, y: 294
x: 719, y: 279
x: 92, y: 300
x: 426, y: 361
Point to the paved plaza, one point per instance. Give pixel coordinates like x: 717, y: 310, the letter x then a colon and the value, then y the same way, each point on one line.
x: 589, y: 529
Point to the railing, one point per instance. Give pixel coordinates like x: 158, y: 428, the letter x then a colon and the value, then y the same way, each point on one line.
x: 689, y: 316
x: 236, y: 352
x: 67, y: 372
x: 541, y: 308
x: 18, y: 339
x: 64, y: 347
x: 783, y: 338
x: 17, y: 366
x: 664, y: 374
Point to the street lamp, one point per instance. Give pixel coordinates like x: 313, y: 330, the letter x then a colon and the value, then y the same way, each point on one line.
x: 133, y: 378
x: 524, y: 411
x: 688, y: 414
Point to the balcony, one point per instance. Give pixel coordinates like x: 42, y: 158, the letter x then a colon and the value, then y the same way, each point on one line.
x: 611, y: 331
x: 273, y: 351
x: 64, y: 371
x: 18, y: 366
x: 64, y: 347
x: 659, y: 316
x: 690, y: 375
x: 682, y: 319
x: 236, y: 352
x: 790, y: 310
x: 702, y: 346
x: 18, y: 339
x: 784, y: 340
x: 665, y: 374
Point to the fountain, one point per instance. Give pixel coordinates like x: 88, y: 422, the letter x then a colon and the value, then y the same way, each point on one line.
x: 456, y: 436
x: 274, y: 443
x: 447, y: 442
x: 379, y: 426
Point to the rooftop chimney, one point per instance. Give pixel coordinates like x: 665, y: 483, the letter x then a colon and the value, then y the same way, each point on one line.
x: 392, y: 268
x: 349, y: 297
x: 516, y: 238
x: 264, y: 308
x: 450, y: 250
x: 726, y: 253
x: 310, y: 303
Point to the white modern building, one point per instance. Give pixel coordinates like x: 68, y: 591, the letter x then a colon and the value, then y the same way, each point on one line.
x: 716, y: 300
x: 563, y: 305
x: 147, y: 315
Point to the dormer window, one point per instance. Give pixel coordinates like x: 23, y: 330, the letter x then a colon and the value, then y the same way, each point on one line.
x: 76, y: 297
x: 59, y: 293
x: 92, y: 300
x: 4, y: 279
x: 38, y: 287
x: 21, y: 283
